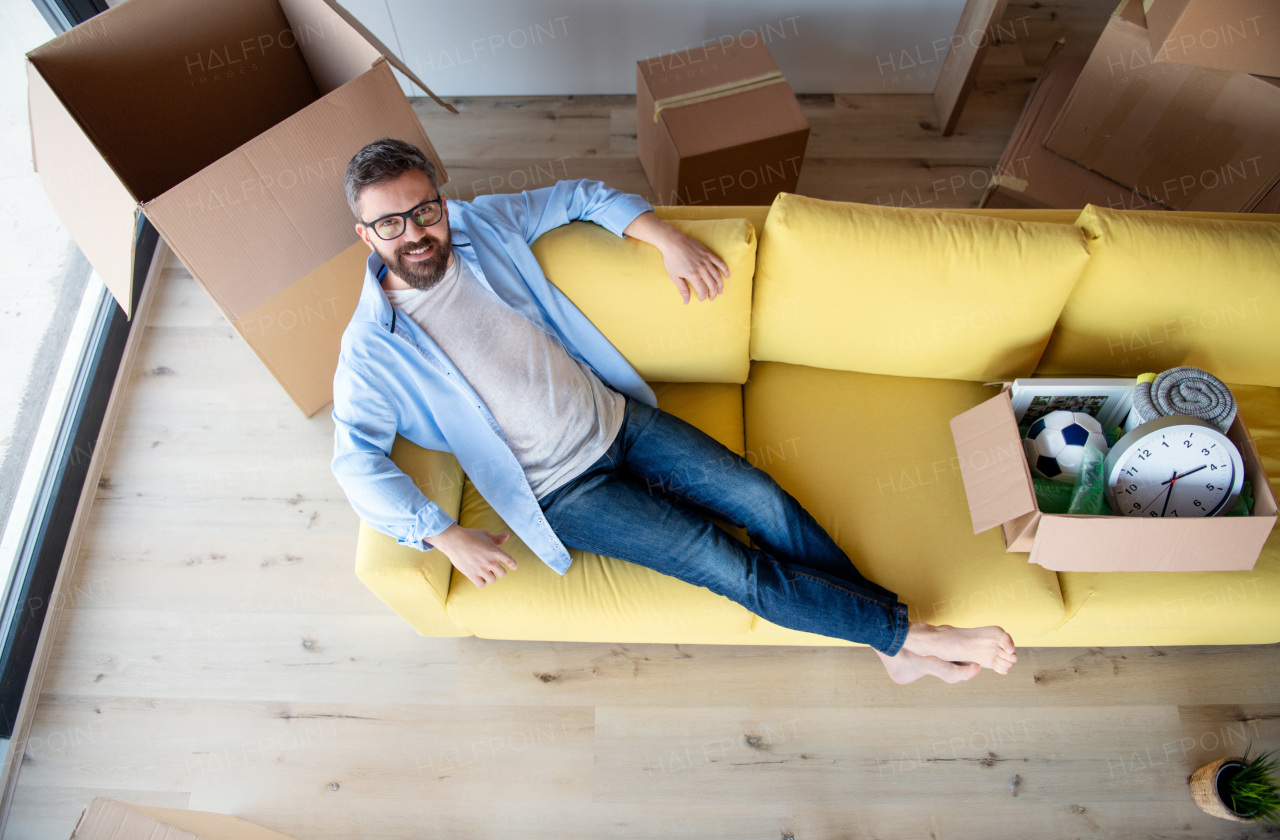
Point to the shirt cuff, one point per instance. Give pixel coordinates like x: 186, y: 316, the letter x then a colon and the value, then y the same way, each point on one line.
x: 430, y: 524
x: 623, y: 212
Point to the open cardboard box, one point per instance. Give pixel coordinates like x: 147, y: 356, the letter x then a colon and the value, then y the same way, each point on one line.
x: 1029, y: 175
x: 229, y: 124
x: 109, y: 819
x: 997, y: 482
x: 1189, y: 137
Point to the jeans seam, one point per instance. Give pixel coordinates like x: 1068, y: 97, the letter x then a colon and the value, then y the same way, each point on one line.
x: 854, y: 594
x: 833, y: 586
x: 653, y: 416
x: 904, y: 627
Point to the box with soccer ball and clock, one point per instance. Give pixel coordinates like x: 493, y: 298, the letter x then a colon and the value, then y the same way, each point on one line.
x: 1154, y: 473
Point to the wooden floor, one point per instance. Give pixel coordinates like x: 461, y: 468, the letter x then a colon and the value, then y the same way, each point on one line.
x: 216, y: 651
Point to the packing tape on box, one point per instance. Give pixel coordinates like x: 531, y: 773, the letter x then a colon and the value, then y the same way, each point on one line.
x: 1010, y: 182
x: 717, y: 92
x: 1186, y: 390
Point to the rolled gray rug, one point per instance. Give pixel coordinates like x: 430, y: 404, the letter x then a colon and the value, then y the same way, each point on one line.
x: 1186, y: 390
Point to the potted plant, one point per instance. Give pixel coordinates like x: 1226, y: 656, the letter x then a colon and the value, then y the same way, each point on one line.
x: 1241, y: 789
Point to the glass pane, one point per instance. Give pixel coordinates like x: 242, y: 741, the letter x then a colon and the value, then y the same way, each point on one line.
x: 43, y: 280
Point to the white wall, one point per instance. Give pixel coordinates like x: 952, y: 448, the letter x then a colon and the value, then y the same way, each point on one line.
x: 557, y: 47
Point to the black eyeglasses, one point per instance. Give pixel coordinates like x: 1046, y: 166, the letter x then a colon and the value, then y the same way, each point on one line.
x: 424, y: 215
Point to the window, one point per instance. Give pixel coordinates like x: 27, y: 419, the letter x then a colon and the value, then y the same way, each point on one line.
x: 61, y: 340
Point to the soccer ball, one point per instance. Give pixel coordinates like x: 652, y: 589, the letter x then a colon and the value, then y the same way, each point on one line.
x: 1055, y: 444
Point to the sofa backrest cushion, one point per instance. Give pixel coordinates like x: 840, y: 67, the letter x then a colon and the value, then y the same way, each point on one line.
x: 1163, y: 290
x: 621, y: 285
x: 909, y: 292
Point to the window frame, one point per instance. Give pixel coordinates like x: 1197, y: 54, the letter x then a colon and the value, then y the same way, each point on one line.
x: 48, y: 529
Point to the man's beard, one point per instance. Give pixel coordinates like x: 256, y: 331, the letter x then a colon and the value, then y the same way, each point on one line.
x: 421, y: 274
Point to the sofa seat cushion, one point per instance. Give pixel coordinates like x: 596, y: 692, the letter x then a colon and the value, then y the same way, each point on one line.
x: 603, y: 599
x: 1188, y: 608
x: 1163, y: 290
x: 622, y: 286
x: 909, y: 292
x: 872, y: 458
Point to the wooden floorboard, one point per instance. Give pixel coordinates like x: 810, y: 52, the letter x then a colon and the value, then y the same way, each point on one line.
x: 216, y: 651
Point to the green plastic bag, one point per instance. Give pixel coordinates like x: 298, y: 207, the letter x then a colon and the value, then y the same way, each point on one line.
x: 1051, y: 496
x: 1243, y: 505
x: 1089, y: 494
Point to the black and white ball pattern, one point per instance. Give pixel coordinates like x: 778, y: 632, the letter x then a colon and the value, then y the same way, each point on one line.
x: 1055, y: 444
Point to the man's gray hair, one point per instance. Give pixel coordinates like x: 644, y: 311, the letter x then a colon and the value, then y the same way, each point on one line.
x: 381, y: 161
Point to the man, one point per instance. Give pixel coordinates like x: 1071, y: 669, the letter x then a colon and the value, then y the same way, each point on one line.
x: 459, y: 343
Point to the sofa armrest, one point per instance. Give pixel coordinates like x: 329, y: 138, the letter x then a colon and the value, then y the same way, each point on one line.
x: 415, y: 584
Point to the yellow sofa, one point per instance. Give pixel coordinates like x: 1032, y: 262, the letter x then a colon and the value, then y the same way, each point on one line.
x: 847, y: 337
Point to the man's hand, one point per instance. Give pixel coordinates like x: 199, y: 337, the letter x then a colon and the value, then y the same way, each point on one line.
x: 689, y: 264
x: 475, y: 552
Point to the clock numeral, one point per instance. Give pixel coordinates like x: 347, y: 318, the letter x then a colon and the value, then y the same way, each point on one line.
x: 1153, y: 513
x: 1132, y: 487
x: 1187, y: 443
x: 1208, y: 486
x: 1137, y: 505
x: 1173, y: 512
x: 1146, y: 453
x: 1213, y: 466
x: 1164, y: 443
x: 1196, y: 502
x: 1204, y: 451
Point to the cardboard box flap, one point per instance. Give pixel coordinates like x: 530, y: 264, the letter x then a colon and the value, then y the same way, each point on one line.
x: 1133, y: 11
x: 164, y: 89
x: 1137, y: 544
x: 291, y: 178
x: 1242, y: 36
x: 109, y: 819
x: 997, y: 480
x: 86, y: 193
x: 339, y: 49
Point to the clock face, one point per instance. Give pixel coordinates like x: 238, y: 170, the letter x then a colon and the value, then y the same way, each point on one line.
x: 1174, y: 466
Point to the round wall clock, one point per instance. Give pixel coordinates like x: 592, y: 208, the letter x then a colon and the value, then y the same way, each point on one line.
x: 1173, y: 466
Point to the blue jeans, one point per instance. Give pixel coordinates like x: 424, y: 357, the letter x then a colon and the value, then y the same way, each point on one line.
x: 645, y: 501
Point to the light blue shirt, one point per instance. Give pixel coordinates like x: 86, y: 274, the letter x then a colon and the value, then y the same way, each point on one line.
x: 392, y: 378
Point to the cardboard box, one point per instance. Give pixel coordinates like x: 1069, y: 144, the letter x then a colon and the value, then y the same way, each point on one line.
x: 718, y: 125
x: 108, y: 819
x: 1270, y: 202
x: 1189, y: 137
x: 1029, y: 175
x: 1242, y: 36
x: 997, y: 482
x: 229, y: 124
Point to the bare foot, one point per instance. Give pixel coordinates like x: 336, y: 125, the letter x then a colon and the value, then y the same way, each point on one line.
x: 990, y: 647
x: 907, y: 667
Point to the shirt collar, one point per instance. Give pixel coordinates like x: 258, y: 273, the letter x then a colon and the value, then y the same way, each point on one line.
x: 373, y: 305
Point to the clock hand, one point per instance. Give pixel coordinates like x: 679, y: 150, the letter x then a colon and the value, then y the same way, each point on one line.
x: 1167, y: 497
x: 1161, y: 493
x: 1185, y: 474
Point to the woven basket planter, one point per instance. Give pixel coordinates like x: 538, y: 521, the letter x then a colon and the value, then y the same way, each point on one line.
x: 1204, y: 790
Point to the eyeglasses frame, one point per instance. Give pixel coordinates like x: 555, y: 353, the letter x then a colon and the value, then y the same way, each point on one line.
x: 406, y: 216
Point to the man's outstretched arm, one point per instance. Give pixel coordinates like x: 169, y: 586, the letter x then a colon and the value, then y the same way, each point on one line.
x: 689, y: 263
